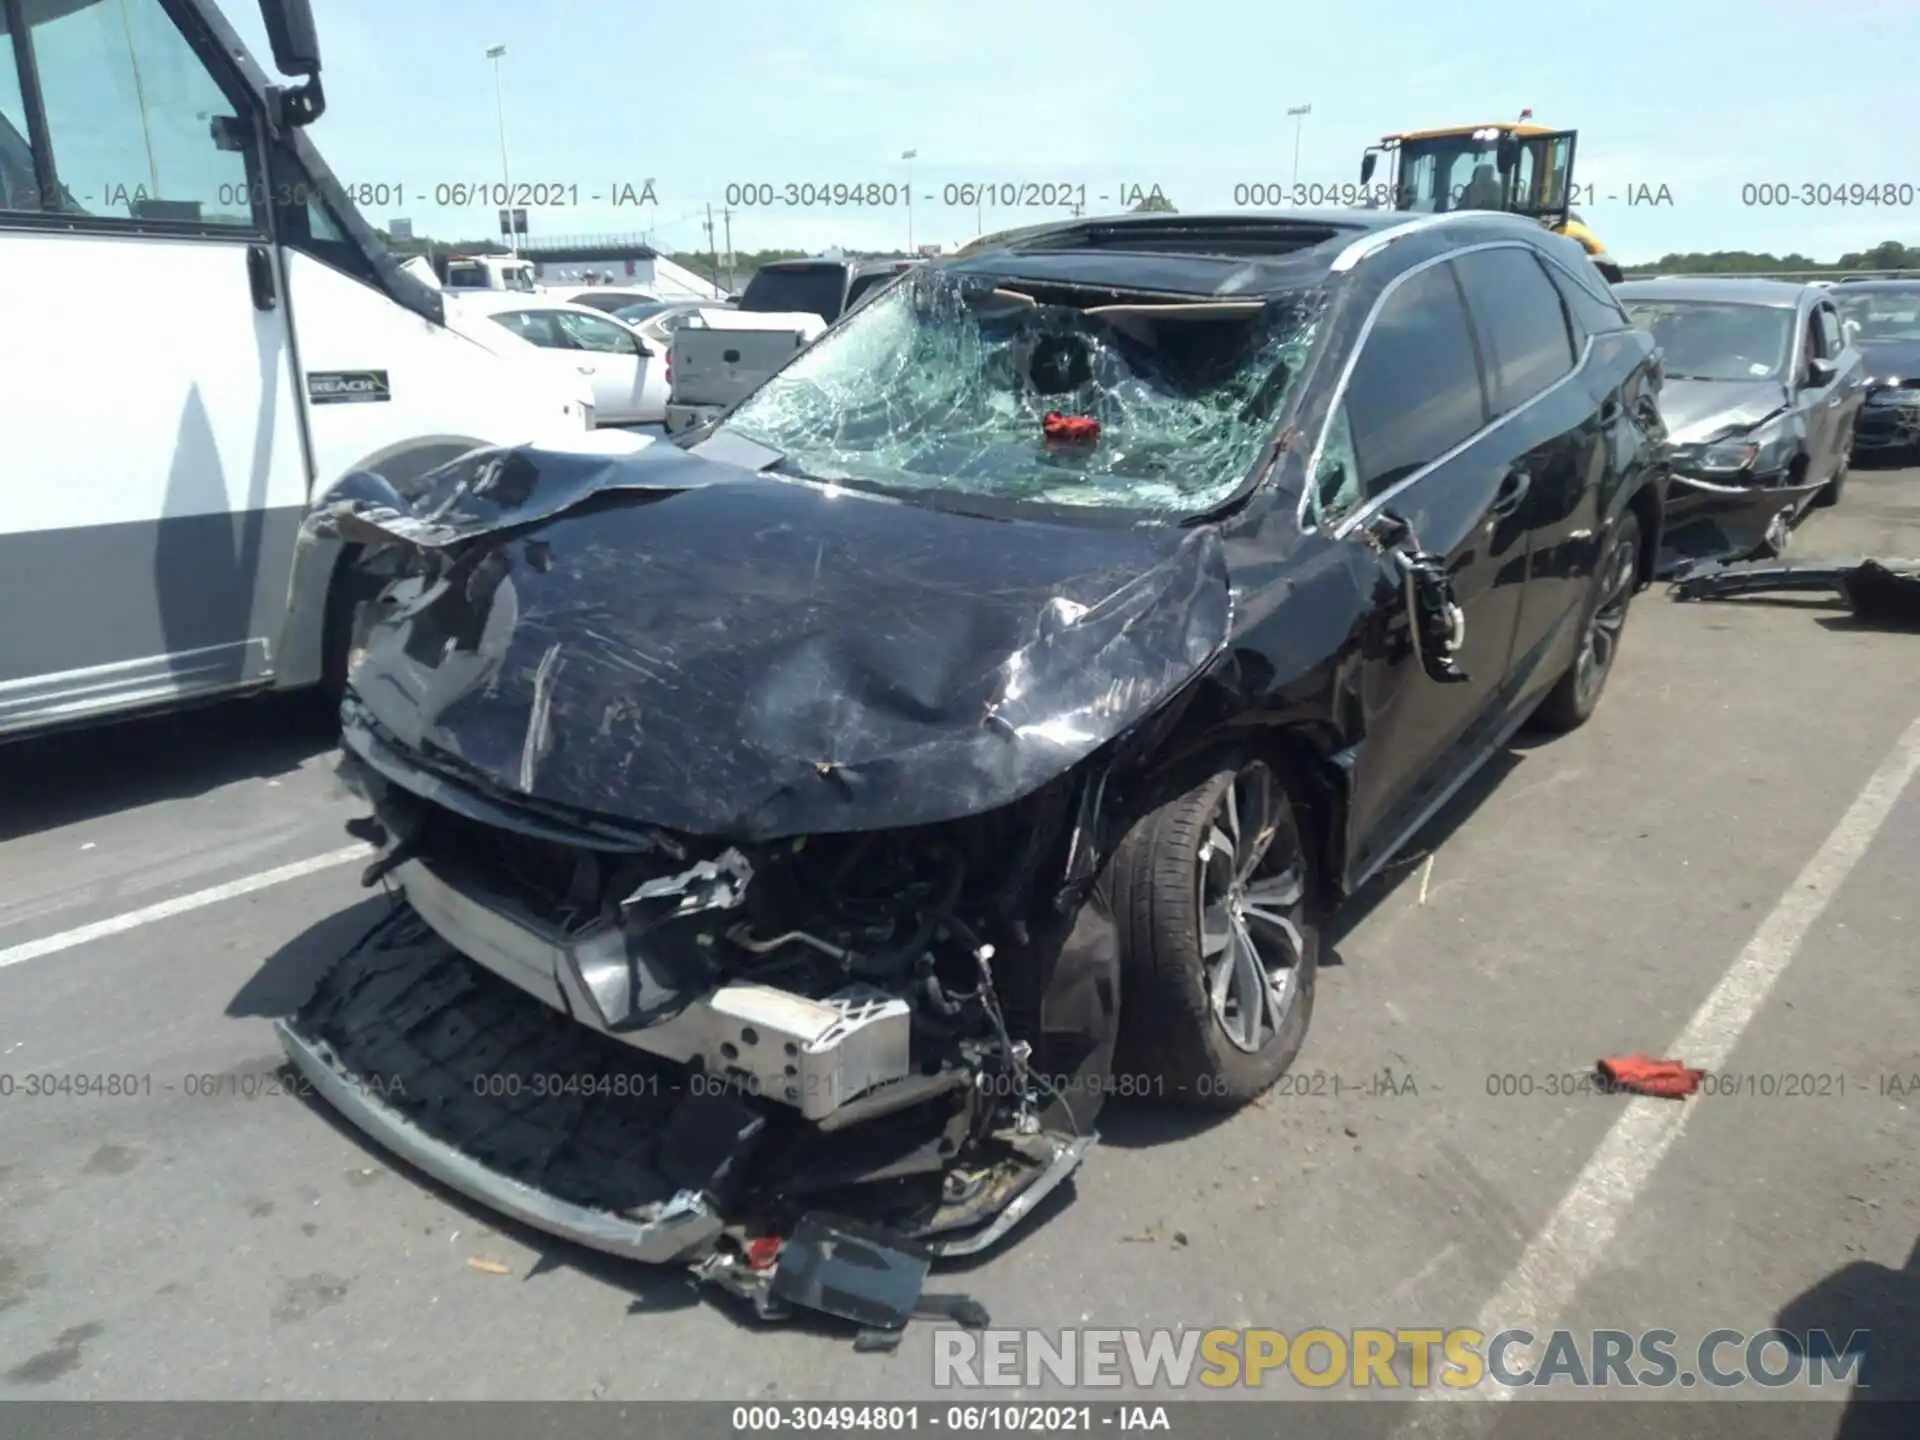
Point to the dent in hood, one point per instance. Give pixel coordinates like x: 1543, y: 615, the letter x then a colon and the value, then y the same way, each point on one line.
x: 722, y: 653
x: 1700, y: 411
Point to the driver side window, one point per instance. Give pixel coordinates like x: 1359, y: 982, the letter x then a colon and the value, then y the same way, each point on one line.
x: 602, y: 336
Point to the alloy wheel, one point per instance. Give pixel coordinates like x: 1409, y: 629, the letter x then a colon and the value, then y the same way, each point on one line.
x: 1253, y: 885
x: 1602, y: 640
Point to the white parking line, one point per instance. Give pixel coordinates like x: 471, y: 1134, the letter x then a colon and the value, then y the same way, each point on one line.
x: 180, y: 905
x: 1571, y: 1245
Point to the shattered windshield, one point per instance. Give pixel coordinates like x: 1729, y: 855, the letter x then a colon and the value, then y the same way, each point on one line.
x: 1717, y: 340
x: 1876, y: 319
x: 945, y: 383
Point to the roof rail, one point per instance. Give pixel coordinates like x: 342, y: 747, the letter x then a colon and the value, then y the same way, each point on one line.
x: 1368, y: 244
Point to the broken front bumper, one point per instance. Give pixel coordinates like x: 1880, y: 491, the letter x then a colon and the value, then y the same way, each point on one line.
x: 1714, y: 519
x: 508, y: 1101
x: 816, y: 1055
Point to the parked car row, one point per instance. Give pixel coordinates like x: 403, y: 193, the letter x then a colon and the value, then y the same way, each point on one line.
x: 1761, y: 392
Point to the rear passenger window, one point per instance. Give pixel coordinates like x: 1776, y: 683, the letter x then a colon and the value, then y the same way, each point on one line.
x: 1414, y: 394
x: 1521, y: 322
x: 1592, y: 312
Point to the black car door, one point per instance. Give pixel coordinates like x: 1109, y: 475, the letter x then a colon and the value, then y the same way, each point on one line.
x: 1405, y: 465
x: 1554, y: 430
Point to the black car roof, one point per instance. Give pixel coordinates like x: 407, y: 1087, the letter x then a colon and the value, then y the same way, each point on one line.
x: 851, y: 266
x: 1729, y: 289
x: 1244, y: 254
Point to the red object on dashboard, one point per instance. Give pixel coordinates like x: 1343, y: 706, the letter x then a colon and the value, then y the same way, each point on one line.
x: 1071, y: 429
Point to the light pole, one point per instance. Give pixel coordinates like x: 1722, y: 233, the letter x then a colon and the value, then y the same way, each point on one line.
x: 909, y: 156
x: 1299, y: 114
x: 494, y: 52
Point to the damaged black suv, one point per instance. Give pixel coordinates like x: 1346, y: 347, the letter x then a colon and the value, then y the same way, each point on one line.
x: 822, y: 815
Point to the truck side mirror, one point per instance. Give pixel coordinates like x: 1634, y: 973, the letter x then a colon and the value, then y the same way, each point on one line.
x: 296, y: 51
x: 1367, y: 163
x: 296, y: 46
x: 1506, y: 152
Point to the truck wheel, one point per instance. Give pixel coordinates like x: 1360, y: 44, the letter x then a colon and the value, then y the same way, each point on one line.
x: 352, y: 589
x: 1218, y: 950
x: 1576, y: 695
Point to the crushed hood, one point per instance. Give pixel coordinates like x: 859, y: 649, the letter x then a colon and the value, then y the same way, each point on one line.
x: 725, y: 653
x: 1697, y: 411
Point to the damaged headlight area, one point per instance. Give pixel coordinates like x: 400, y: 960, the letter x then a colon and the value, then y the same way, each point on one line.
x: 686, y: 1050
x: 1759, y: 454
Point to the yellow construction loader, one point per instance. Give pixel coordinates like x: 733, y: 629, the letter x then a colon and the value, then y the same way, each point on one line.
x: 1518, y: 167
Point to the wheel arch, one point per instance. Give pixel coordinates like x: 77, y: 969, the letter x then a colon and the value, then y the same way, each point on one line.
x: 1306, y: 749
x: 301, y: 654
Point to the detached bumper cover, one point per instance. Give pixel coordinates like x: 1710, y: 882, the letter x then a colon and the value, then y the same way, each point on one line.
x: 1730, y: 518
x: 515, y: 1105
x: 677, y: 1230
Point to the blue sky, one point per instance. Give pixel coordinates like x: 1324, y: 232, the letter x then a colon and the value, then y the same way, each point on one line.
x: 1699, y: 96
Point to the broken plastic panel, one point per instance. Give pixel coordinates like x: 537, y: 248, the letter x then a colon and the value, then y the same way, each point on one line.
x: 947, y: 383
x: 858, y: 1272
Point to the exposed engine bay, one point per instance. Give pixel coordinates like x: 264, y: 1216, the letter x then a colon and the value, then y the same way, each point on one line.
x: 692, y: 1051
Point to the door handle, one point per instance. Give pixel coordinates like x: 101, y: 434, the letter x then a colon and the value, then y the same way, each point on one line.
x: 1513, y: 489
x: 266, y: 295
x: 586, y: 369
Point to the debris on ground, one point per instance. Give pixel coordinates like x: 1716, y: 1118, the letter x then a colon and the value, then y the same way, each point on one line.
x: 1884, y: 591
x: 1643, y: 1075
x: 490, y: 1267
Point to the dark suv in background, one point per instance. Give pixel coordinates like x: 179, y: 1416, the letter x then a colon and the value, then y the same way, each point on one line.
x: 1882, y: 317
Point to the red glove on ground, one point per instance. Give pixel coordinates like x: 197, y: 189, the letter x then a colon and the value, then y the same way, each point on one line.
x: 1071, y: 429
x: 1667, y: 1079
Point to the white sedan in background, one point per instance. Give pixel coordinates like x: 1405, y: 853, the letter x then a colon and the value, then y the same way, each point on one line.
x: 626, y: 372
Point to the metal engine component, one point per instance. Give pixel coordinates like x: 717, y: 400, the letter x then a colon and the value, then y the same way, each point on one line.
x: 813, y: 1054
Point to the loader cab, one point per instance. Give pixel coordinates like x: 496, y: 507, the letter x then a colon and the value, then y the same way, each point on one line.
x: 1522, y: 169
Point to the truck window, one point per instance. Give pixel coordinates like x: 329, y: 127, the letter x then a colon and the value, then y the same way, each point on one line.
x: 863, y: 288
x: 139, y: 127
x: 19, y: 186
x: 803, y: 289
x: 467, y: 277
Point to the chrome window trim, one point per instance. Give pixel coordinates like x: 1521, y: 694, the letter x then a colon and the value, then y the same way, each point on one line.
x: 1368, y: 508
x: 1377, y: 240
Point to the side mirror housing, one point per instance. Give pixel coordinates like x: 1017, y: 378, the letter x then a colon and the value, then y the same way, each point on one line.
x: 296, y: 45
x: 1367, y: 163
x: 1821, y: 372
x: 1506, y: 152
x: 296, y: 51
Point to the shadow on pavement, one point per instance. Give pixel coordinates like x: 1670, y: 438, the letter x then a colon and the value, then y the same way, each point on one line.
x: 77, y: 775
x: 289, y: 976
x: 1885, y: 1304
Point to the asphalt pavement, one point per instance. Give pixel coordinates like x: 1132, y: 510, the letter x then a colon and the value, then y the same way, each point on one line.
x: 1723, y: 859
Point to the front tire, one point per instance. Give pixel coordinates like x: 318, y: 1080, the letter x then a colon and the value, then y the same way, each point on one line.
x: 1576, y: 695
x: 1218, y: 949
x: 1830, y: 492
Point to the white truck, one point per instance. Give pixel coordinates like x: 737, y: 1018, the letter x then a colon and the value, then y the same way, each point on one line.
x: 725, y: 355
x: 490, y: 272
x: 257, y: 343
